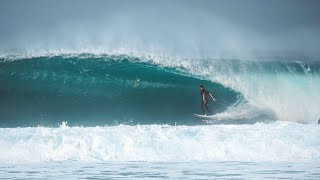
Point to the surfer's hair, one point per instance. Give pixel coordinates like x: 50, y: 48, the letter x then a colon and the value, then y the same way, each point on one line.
x: 202, y: 86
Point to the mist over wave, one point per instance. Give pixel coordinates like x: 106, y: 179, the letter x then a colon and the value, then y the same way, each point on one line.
x: 191, y: 29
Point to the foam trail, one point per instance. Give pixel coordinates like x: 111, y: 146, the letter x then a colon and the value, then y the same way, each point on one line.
x: 273, y: 142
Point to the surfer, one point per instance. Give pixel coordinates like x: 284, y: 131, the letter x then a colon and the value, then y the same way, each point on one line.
x: 204, y: 97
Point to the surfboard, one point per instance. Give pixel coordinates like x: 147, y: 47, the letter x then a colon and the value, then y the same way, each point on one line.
x: 201, y: 115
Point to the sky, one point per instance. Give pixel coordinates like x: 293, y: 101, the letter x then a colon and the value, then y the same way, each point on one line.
x: 181, y: 27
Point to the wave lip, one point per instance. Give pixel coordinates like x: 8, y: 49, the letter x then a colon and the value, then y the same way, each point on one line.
x: 272, y: 142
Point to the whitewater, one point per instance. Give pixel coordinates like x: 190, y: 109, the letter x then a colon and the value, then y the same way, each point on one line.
x: 162, y: 143
x: 162, y: 151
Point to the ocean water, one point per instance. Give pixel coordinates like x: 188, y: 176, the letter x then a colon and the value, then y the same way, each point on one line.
x: 162, y: 170
x: 102, y: 116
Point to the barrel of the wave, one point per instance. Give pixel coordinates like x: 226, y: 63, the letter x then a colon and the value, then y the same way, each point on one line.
x: 94, y: 90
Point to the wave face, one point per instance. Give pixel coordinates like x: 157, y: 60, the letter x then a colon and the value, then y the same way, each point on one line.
x: 90, y: 90
x: 260, y: 142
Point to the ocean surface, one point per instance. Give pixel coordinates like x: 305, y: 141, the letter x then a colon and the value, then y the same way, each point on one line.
x: 100, y: 116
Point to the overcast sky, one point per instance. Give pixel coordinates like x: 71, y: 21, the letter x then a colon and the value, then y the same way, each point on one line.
x: 204, y: 27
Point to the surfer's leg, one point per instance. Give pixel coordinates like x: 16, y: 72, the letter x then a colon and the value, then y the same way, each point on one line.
x: 206, y: 104
x: 204, y: 112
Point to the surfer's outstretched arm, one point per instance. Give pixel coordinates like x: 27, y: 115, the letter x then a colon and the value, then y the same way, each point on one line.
x: 212, y: 97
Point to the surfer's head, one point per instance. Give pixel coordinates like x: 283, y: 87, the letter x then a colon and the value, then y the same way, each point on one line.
x: 201, y: 87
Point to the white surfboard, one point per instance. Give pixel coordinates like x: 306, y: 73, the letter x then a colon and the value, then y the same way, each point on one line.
x: 201, y: 115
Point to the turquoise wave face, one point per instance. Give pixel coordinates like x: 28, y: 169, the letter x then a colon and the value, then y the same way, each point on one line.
x: 101, y: 90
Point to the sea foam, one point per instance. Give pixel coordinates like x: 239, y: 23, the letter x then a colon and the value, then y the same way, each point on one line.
x: 274, y: 142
